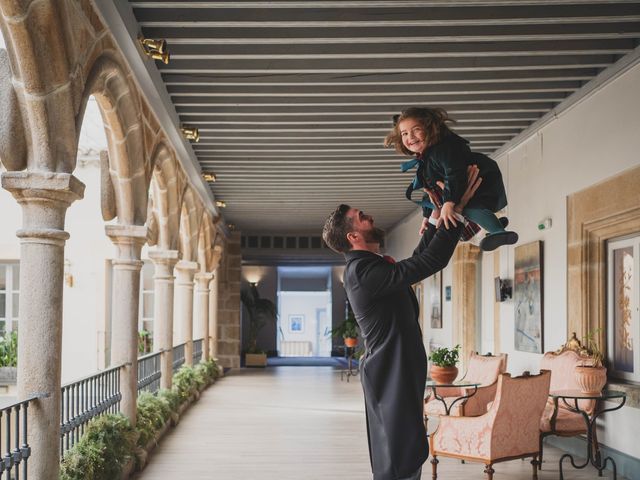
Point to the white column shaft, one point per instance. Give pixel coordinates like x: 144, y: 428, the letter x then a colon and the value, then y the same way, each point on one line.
x: 164, y: 262
x: 44, y: 198
x: 184, y: 306
x: 201, y: 312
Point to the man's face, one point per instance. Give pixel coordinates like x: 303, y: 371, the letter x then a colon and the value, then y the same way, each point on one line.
x: 363, y: 224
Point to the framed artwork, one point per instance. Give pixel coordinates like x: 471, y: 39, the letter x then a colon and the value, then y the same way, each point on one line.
x: 433, y: 288
x: 296, y: 323
x: 528, y: 298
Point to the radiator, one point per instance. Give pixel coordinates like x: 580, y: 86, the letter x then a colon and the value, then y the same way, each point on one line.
x: 295, y: 349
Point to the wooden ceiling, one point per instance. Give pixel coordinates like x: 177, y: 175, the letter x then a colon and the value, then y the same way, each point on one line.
x: 293, y: 98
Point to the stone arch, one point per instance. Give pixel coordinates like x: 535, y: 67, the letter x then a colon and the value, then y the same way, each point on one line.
x: 165, y: 192
x: 190, y: 218
x: 205, y: 242
x: 120, y: 111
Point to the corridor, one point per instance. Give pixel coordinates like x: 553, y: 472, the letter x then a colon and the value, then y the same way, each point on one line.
x: 292, y: 423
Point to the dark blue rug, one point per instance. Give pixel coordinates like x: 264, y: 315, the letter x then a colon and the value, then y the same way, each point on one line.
x: 336, y: 362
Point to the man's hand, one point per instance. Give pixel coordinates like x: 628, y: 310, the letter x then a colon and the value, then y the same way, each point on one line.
x: 447, y: 216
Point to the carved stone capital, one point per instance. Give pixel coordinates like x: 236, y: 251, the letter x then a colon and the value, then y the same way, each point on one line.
x: 129, y: 240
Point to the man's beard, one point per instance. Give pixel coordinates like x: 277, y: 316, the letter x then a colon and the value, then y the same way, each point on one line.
x: 375, y: 235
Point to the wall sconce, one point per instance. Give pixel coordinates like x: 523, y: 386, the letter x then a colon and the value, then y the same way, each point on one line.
x: 156, y: 49
x: 191, y: 133
x: 503, y: 289
x: 220, y: 204
x: 209, y: 177
x: 68, y: 277
x: 231, y: 226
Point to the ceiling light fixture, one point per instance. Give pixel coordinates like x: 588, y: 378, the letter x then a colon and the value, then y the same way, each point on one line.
x: 191, y: 133
x: 209, y: 177
x: 156, y: 49
x: 220, y: 203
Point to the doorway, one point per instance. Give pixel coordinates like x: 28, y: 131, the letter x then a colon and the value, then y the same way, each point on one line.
x: 304, y: 307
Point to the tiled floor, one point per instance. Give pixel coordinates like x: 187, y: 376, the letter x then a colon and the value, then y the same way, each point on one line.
x: 286, y: 423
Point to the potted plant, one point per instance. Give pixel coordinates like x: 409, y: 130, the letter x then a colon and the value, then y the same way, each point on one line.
x: 261, y: 311
x: 592, y: 374
x: 443, y: 364
x: 348, y: 330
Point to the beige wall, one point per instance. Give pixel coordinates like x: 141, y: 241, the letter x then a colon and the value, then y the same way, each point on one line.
x: 595, y: 139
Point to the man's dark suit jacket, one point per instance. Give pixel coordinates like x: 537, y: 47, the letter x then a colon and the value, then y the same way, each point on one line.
x: 394, y: 366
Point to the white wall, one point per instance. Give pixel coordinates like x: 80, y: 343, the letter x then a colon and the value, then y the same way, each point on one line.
x: 595, y: 139
x: 306, y: 304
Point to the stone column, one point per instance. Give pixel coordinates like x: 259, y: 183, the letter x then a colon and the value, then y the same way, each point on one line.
x: 465, y: 300
x: 184, y: 307
x: 164, y: 261
x: 229, y: 335
x: 201, y: 311
x: 44, y: 198
x: 213, y: 316
x: 128, y: 240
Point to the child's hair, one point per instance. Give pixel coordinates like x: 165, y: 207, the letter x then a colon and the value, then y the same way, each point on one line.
x: 433, y: 120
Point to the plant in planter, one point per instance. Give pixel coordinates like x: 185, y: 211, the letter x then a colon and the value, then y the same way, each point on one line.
x: 592, y: 374
x: 347, y: 330
x: 443, y: 364
x: 8, y: 358
x: 261, y: 312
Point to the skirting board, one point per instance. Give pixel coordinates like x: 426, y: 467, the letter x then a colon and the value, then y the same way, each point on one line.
x: 628, y: 466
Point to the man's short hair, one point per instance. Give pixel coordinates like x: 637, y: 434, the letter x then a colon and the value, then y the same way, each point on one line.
x: 336, y: 228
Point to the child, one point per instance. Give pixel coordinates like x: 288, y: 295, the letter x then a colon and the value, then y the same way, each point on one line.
x: 442, y: 157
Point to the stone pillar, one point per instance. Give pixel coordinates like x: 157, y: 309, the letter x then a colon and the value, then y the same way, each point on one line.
x: 229, y: 304
x: 213, y: 316
x: 465, y: 299
x: 163, y: 261
x: 201, y: 311
x: 128, y: 240
x: 184, y: 307
x: 44, y: 198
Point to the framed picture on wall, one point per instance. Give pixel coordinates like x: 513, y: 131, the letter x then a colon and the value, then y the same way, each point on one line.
x: 296, y: 323
x: 433, y: 288
x: 528, y: 298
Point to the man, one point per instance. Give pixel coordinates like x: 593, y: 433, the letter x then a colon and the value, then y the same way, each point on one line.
x: 394, y: 366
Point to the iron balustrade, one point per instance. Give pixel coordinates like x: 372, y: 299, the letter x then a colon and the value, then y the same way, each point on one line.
x: 16, y: 454
x: 178, y: 356
x: 85, y: 399
x: 149, y: 372
x: 197, y: 351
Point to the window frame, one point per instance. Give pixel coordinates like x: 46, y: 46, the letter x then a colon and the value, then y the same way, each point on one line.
x: 12, y: 287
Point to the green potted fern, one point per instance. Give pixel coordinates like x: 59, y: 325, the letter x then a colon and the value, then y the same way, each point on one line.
x: 261, y: 312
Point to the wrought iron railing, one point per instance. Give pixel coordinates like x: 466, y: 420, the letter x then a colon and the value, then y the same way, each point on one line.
x: 178, y: 357
x: 85, y: 399
x: 197, y: 351
x: 149, y: 372
x: 16, y: 453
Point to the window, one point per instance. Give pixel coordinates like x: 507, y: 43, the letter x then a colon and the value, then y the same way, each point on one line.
x: 9, y: 296
x: 146, y: 297
x: 623, y: 296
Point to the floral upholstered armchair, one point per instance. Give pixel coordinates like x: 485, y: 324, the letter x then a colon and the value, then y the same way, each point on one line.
x: 483, y: 369
x: 562, y: 364
x: 508, y: 430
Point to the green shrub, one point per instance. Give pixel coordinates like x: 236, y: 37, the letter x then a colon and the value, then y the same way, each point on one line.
x: 152, y: 413
x: 103, y: 450
x: 445, y: 357
x: 185, y: 382
x: 171, y: 398
x: 9, y: 350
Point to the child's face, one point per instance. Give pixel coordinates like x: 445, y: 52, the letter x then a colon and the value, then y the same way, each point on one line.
x: 414, y: 138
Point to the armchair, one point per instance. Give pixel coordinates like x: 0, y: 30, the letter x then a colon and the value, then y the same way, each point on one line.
x: 483, y: 369
x: 508, y: 430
